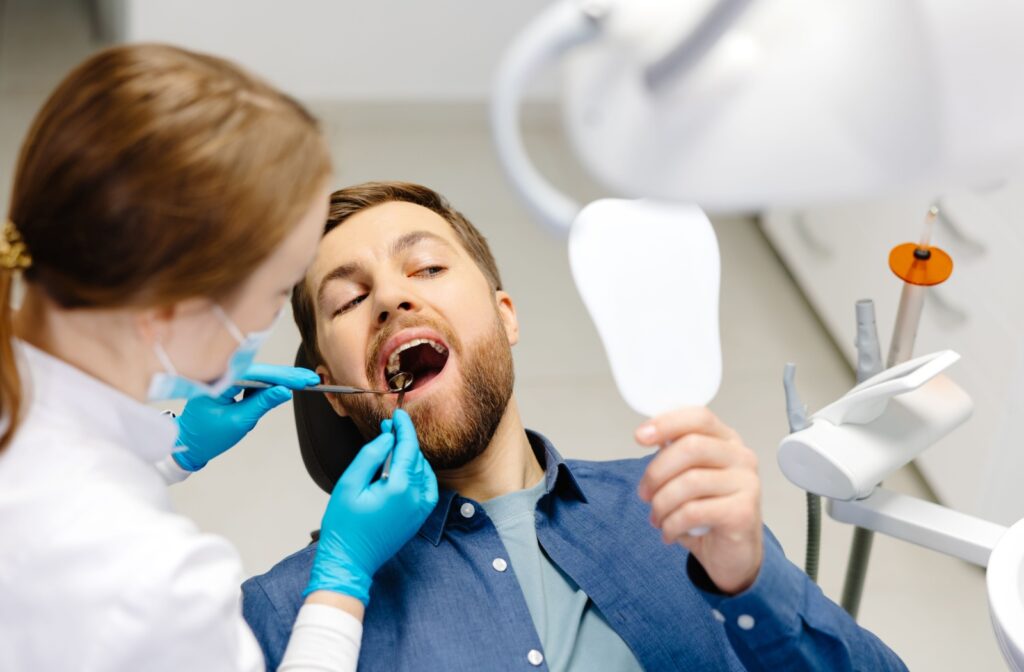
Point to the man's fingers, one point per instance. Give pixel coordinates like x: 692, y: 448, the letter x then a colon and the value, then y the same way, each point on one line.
x: 693, y: 484
x: 368, y: 461
x: 713, y: 512
x: 694, y: 450
x: 680, y: 422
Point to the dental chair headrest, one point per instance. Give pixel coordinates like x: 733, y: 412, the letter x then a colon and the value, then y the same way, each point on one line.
x: 328, y: 442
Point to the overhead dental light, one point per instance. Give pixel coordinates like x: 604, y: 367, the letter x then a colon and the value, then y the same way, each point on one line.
x: 743, y: 105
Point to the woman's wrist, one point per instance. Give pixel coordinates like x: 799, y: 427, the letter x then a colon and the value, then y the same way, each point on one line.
x: 346, y: 603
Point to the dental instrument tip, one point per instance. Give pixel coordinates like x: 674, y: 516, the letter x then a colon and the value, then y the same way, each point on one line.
x: 400, y: 383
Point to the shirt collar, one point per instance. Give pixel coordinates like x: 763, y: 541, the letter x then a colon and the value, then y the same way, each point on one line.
x: 95, y: 408
x: 558, y: 479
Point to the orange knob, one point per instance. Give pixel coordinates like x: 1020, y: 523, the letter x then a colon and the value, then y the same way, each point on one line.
x: 925, y: 266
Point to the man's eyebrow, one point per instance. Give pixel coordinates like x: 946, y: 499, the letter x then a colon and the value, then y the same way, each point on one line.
x: 342, y: 272
x: 414, y: 238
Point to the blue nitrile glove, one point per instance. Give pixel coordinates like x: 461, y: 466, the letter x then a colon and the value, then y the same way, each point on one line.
x: 210, y: 425
x: 367, y: 523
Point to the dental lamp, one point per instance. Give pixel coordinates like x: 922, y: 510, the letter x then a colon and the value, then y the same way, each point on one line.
x: 740, y: 105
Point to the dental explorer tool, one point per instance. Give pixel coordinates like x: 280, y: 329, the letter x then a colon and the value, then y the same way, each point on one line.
x: 331, y: 389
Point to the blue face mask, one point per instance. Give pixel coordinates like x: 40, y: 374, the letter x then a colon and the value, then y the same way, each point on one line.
x: 169, y: 384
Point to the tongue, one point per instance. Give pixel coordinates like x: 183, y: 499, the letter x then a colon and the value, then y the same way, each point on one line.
x: 423, y: 379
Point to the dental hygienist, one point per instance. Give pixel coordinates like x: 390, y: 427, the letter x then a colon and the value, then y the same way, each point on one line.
x: 164, y: 203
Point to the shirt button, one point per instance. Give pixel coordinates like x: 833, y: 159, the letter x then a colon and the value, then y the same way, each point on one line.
x: 467, y: 510
x: 499, y: 564
x: 718, y: 615
x: 535, y: 657
x: 746, y: 622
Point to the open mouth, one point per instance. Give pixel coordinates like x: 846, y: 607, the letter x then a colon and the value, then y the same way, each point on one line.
x: 423, y: 358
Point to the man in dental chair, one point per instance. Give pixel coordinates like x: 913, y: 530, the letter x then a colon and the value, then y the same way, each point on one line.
x: 531, y: 561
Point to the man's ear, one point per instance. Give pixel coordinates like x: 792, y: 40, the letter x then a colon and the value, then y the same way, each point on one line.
x: 507, y: 313
x: 335, y: 400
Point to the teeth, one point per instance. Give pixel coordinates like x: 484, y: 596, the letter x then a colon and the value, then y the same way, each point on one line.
x: 392, y: 365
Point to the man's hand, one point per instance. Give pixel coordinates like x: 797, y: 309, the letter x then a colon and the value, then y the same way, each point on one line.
x: 705, y: 477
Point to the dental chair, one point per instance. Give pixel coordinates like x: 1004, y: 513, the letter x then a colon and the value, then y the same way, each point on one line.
x: 327, y: 441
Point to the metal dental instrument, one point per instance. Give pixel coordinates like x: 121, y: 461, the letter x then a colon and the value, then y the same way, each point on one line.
x: 333, y: 389
x: 400, y: 382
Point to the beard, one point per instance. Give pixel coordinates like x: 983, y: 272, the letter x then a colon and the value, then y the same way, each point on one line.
x: 455, y: 429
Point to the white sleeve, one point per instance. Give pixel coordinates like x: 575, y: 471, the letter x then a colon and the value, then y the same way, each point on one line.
x: 324, y: 639
x: 171, y: 471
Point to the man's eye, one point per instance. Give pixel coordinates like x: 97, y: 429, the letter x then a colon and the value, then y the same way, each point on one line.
x: 350, y: 305
x: 430, y: 271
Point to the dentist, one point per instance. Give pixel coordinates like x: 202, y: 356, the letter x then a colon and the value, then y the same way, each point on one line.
x: 164, y: 204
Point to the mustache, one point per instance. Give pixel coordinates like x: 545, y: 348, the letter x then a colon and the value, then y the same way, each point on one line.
x: 374, y: 350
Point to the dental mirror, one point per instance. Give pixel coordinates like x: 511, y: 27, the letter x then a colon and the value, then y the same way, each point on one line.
x: 400, y: 382
x: 649, y: 274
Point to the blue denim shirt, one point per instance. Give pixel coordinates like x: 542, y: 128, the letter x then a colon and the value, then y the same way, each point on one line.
x: 439, y: 604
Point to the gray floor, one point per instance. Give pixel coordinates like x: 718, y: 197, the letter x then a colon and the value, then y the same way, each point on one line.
x: 929, y: 608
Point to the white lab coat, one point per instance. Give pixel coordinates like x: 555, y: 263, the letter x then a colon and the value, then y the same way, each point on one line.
x: 97, y: 572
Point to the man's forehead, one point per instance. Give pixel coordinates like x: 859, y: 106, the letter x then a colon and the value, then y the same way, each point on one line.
x: 371, y: 232
x: 374, y: 229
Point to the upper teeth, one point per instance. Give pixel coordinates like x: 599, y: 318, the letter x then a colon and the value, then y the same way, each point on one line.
x: 392, y: 367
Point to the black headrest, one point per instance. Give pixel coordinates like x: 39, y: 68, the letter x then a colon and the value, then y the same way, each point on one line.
x: 328, y: 441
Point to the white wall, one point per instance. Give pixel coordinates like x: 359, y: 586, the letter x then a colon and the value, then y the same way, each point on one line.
x: 384, y: 50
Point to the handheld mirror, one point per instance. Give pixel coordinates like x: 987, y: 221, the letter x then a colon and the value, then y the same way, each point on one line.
x: 649, y: 274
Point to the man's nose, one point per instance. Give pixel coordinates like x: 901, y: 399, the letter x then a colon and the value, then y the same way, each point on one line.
x: 392, y: 301
x: 384, y: 315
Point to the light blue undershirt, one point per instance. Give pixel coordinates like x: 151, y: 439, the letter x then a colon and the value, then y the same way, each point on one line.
x: 575, y: 636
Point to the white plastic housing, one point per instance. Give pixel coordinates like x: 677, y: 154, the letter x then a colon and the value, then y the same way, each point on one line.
x: 847, y: 461
x: 799, y: 101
